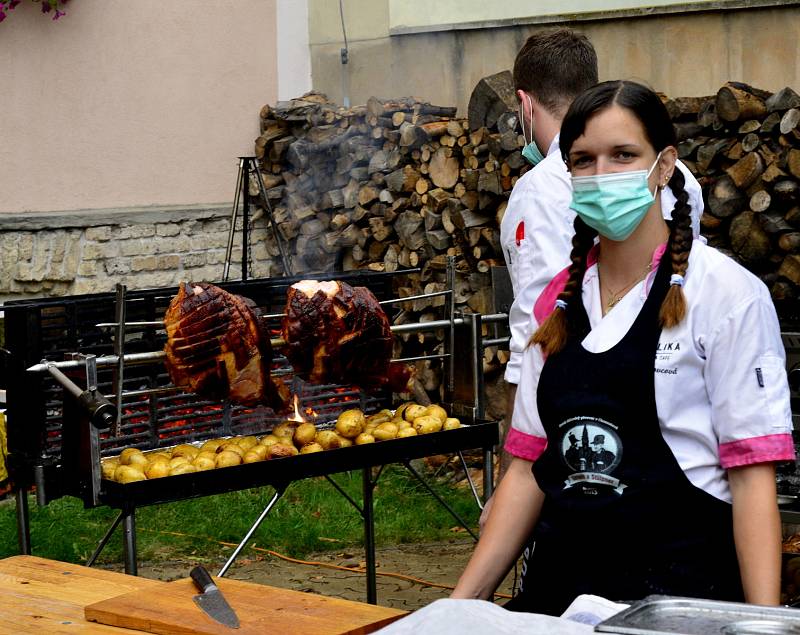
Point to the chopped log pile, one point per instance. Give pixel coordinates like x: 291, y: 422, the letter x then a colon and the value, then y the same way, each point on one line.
x: 390, y: 185
x: 401, y: 183
x: 743, y: 145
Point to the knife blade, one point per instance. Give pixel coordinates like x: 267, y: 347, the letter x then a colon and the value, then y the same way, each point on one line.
x: 211, y: 599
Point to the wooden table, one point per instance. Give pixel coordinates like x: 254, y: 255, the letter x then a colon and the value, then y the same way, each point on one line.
x: 46, y: 596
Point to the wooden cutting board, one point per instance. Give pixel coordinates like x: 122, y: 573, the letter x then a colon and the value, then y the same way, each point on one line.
x: 261, y: 609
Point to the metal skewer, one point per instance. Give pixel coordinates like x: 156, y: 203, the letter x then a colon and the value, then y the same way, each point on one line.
x: 155, y: 356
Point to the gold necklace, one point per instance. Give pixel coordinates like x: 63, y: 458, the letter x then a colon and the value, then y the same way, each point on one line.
x: 616, y: 296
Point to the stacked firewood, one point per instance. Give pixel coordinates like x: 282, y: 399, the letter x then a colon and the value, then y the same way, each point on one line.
x: 390, y: 185
x: 744, y: 147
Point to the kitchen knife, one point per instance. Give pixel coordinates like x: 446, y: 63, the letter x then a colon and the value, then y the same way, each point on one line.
x: 211, y: 599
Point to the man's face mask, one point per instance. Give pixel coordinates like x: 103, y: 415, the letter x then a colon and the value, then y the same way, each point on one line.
x: 613, y: 204
x: 531, y: 151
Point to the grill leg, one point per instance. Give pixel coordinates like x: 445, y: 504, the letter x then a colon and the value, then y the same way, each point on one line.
x: 104, y: 540
x: 369, y: 536
x: 279, y: 490
x: 23, y: 522
x: 129, y: 541
x: 441, y: 501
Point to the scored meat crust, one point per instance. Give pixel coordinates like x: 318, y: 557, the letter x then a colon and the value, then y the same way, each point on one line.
x: 217, y: 348
x: 336, y: 333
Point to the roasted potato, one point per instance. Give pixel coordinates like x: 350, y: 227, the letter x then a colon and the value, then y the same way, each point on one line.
x: 285, y: 429
x: 183, y: 468
x: 328, y: 439
x: 255, y: 454
x: 309, y: 448
x: 270, y: 439
x: 398, y: 414
x: 280, y: 450
x: 231, y: 446
x: 128, y: 474
x: 451, y: 423
x: 226, y: 458
x: 385, y: 431
x: 205, y: 461
x: 344, y: 442
x: 189, y: 451
x: 436, y: 411
x: 350, y: 423
x: 211, y: 445
x: 158, y: 456
x: 108, y: 467
x: 138, y: 461
x: 379, y: 417
x: 406, y: 432
x: 127, y: 453
x: 304, y: 434
x: 364, y: 438
x: 413, y: 412
x: 247, y: 442
x: 157, y: 469
x: 177, y: 460
x: 427, y: 424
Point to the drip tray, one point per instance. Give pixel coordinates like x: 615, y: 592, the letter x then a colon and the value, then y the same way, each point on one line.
x: 664, y: 615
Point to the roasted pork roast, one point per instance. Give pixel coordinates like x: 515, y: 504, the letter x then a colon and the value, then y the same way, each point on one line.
x: 217, y: 347
x: 338, y: 334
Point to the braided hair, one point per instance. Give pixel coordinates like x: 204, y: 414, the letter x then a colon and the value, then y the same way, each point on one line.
x: 646, y: 106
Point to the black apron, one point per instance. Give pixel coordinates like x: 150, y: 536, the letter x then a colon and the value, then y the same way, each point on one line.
x: 620, y: 518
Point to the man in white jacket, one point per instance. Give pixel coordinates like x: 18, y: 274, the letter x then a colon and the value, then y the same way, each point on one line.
x: 551, y: 69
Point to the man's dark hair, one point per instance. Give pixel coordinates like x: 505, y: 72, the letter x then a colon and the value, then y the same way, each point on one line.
x: 555, y: 65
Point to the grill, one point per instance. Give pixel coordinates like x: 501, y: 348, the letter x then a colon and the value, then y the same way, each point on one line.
x: 55, y: 440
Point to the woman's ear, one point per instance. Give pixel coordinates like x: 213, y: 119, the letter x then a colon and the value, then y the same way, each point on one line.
x: 666, y: 165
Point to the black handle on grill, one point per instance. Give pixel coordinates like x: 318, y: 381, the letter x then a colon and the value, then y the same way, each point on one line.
x: 102, y: 412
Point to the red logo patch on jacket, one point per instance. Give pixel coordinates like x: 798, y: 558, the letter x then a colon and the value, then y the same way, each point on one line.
x: 520, y: 232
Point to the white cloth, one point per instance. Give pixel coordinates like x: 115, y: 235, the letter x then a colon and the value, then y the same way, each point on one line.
x: 720, y: 382
x: 478, y: 617
x: 541, y: 199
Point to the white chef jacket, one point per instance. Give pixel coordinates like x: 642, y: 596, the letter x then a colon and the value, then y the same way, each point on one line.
x: 721, y: 391
x: 536, y: 236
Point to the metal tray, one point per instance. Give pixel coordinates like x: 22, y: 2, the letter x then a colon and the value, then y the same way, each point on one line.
x: 665, y: 615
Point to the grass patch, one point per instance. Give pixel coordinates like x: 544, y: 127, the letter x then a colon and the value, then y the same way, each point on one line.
x: 311, y: 517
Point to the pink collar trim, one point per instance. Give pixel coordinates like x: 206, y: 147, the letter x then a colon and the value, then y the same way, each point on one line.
x: 547, y: 299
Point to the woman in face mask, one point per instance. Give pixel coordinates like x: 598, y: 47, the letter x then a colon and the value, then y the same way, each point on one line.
x: 653, y: 395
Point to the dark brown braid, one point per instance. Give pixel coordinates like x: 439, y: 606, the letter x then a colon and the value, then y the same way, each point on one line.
x: 673, y: 308
x: 552, y: 334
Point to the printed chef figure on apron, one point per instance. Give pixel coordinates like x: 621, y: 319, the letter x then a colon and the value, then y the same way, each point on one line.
x: 648, y: 474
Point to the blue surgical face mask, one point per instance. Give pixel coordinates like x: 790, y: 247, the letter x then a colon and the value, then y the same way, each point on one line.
x: 531, y: 151
x: 613, y: 204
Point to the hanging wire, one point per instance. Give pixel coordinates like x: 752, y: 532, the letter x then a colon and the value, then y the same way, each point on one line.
x: 345, y: 57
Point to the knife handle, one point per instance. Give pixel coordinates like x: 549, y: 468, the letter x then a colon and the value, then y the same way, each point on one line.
x: 201, y: 578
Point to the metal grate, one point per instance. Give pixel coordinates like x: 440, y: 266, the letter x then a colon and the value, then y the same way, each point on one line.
x: 53, y: 328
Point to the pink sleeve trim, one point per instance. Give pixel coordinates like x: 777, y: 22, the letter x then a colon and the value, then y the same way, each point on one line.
x: 766, y: 449
x: 525, y: 446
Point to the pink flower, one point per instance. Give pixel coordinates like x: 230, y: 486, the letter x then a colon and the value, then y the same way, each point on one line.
x: 13, y: 4
x: 2, y: 15
x: 58, y: 14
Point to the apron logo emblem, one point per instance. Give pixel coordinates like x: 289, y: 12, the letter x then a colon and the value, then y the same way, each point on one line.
x: 592, y: 448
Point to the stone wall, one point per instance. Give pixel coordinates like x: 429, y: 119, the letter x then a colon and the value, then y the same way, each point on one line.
x: 88, y: 252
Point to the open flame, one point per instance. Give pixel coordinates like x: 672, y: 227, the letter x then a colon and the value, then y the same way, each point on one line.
x: 298, y: 416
